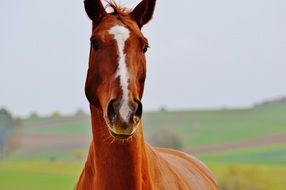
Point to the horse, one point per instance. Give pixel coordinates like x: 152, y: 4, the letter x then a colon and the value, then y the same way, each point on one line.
x: 119, y: 158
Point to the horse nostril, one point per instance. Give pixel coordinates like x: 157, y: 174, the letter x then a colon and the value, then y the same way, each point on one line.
x: 111, y: 111
x: 133, y: 116
x: 138, y: 111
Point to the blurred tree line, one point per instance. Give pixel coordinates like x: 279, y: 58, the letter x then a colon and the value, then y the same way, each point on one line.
x: 8, y: 133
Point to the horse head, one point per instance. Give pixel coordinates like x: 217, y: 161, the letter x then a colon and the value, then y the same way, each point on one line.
x: 117, y: 64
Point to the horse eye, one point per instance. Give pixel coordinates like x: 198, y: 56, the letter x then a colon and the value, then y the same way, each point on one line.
x: 95, y: 44
x: 145, y: 48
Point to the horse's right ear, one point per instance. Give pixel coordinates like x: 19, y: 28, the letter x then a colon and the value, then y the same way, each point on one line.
x: 94, y: 10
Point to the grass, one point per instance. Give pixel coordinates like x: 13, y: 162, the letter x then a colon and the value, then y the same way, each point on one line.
x: 63, y: 155
x: 60, y: 129
x: 248, y: 177
x: 63, y: 176
x: 38, y: 175
x: 219, y: 126
x: 270, y: 155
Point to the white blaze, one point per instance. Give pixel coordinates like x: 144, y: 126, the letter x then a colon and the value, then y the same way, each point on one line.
x: 121, y: 34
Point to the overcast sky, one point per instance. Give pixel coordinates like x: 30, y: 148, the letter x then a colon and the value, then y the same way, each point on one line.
x: 204, y: 54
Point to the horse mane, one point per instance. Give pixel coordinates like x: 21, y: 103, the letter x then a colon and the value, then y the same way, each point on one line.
x: 117, y: 10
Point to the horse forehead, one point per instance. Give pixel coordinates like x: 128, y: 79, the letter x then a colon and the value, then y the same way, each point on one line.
x: 111, y: 21
x: 120, y: 32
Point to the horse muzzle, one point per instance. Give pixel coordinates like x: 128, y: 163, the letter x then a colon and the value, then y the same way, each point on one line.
x: 123, y: 117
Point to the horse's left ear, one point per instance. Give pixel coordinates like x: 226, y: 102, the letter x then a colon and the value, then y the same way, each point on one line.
x: 143, y: 12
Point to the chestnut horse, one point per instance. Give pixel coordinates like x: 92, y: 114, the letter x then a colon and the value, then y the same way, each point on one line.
x: 119, y: 159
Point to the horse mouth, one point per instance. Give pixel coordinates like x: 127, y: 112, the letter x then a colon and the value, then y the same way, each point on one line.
x: 120, y: 130
x: 120, y: 136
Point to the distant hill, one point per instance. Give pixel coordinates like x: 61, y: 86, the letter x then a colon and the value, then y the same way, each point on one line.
x: 274, y: 101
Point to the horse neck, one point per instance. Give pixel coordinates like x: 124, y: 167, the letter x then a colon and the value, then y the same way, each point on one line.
x: 118, y: 164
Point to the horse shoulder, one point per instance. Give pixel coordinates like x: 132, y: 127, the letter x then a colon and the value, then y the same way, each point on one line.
x: 194, y: 172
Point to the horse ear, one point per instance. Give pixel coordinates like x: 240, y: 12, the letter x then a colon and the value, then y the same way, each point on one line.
x: 94, y: 10
x: 143, y: 12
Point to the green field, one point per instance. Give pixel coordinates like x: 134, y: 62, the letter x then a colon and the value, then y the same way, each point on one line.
x: 199, y: 127
x: 271, y: 155
x: 60, y: 176
x: 219, y: 126
x: 76, y: 129
x: 249, y: 176
x: 247, y: 167
x: 38, y: 175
